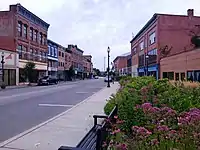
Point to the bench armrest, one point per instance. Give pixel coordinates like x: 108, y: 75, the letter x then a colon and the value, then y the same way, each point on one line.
x: 70, y: 148
x: 98, y: 117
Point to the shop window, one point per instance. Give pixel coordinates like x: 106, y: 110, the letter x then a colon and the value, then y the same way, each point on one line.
x: 164, y: 75
x: 182, y: 76
x: 177, y: 76
x: 171, y: 75
x: 190, y: 76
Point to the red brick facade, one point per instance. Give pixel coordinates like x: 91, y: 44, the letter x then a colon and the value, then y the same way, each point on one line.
x: 177, y: 66
x: 120, y: 62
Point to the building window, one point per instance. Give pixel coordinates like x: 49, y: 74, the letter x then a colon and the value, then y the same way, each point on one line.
x: 55, y: 52
x: 20, y: 28
x: 152, y: 52
x: 19, y: 49
x: 49, y: 50
x: 35, y: 35
x: 134, y: 51
x: 59, y: 53
x: 31, y: 33
x: 142, y: 45
x: 182, y: 76
x: 62, y: 54
x: 31, y: 54
x: 40, y: 38
x: 25, y: 30
x: 152, y: 38
x: 40, y: 56
x: 51, y: 53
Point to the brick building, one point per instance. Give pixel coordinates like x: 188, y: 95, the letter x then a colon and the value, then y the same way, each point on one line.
x: 88, y: 66
x: 185, y: 65
x: 61, y: 62
x: 122, y: 64
x: 76, y: 59
x: 164, y: 35
x: 23, y: 37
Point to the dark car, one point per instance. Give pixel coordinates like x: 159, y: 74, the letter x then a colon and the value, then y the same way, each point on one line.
x: 47, y: 80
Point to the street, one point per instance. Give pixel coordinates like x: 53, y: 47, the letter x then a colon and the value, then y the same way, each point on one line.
x: 21, y: 109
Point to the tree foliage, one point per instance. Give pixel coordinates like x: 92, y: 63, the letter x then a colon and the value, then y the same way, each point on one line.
x: 29, y: 71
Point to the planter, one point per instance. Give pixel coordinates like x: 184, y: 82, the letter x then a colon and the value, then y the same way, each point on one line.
x: 3, y: 86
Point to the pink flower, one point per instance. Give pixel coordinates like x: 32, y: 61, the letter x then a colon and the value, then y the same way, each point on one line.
x: 117, y: 131
x: 120, y: 121
x: 163, y: 128
x: 115, y: 117
x: 104, y: 144
x: 154, y: 142
x: 124, y: 147
x: 146, y: 105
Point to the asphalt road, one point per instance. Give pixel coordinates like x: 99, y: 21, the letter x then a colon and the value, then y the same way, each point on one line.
x: 22, y: 109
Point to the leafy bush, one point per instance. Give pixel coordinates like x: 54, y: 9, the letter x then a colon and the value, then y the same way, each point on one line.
x: 138, y: 90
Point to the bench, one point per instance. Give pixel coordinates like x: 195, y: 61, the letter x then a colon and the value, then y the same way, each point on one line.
x: 94, y: 139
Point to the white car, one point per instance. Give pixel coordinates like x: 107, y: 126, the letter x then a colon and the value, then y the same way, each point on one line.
x: 106, y: 79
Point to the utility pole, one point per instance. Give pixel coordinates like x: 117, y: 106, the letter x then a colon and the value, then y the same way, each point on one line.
x: 104, y: 63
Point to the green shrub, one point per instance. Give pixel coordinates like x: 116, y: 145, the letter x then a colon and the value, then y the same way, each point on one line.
x: 139, y: 90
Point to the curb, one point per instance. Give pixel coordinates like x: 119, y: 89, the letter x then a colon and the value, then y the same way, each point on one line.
x: 4, y: 143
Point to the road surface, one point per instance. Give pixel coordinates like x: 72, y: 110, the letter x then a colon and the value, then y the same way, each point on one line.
x: 24, y: 108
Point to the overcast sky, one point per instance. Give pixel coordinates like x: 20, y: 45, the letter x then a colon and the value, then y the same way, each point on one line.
x: 94, y: 25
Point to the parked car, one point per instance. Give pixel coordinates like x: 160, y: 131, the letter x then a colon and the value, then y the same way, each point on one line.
x: 106, y: 79
x: 47, y: 80
x: 96, y: 77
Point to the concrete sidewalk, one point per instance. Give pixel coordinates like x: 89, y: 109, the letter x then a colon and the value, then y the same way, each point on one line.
x: 66, y: 129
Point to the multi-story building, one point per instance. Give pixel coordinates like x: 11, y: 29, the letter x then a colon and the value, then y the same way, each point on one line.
x: 164, y: 35
x: 52, y: 58
x: 77, y: 60
x: 61, y: 62
x: 23, y: 38
x: 122, y: 64
x: 88, y: 66
x: 68, y: 63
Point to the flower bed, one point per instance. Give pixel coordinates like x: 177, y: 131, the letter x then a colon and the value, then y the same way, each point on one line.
x: 155, y: 115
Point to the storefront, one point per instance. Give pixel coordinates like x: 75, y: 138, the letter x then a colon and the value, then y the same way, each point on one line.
x: 9, y: 67
x: 153, y: 70
x: 182, y: 66
x: 39, y: 71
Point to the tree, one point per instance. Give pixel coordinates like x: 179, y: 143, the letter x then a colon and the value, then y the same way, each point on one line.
x: 29, y: 71
x: 71, y: 72
x: 97, y: 71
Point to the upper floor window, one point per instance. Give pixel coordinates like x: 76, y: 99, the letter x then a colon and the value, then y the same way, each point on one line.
x: 49, y: 50
x: 55, y: 52
x: 62, y: 54
x: 44, y: 40
x: 152, y: 38
x: 35, y: 35
x: 142, y: 45
x: 134, y: 51
x: 59, y: 53
x: 40, y: 38
x: 20, y: 28
x: 31, y: 33
x: 25, y: 30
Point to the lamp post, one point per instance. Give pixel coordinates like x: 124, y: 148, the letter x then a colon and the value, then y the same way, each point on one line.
x: 2, y: 62
x: 147, y: 63
x: 108, y: 50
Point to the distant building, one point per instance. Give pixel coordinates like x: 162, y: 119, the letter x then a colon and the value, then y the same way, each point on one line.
x: 61, y: 62
x: 52, y: 58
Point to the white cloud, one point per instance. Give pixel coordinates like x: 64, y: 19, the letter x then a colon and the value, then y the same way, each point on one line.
x: 96, y: 24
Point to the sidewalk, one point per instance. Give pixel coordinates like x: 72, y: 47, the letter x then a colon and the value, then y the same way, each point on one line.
x: 66, y: 129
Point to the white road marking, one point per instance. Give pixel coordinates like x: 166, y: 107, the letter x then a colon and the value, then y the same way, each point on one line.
x: 55, y: 105
x: 81, y: 92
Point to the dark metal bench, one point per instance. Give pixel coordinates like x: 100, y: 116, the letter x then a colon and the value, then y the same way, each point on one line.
x: 94, y: 139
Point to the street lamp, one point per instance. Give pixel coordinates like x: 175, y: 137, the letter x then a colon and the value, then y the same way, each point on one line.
x: 147, y: 63
x: 2, y: 62
x: 108, y: 50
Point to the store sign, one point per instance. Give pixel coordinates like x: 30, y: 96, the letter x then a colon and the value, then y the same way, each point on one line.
x: 9, y: 58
